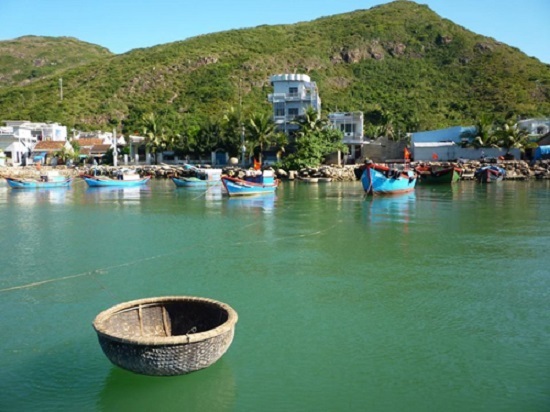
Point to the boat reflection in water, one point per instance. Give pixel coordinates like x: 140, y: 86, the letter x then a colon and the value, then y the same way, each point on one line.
x: 261, y: 202
x: 102, y: 194
x: 59, y: 195
x: 390, y: 209
x: 213, y: 390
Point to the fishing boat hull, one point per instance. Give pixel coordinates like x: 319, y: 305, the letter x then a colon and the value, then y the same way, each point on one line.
x: 490, y: 174
x: 108, y: 182
x: 37, y: 184
x: 240, y: 187
x: 434, y: 175
x: 378, y: 180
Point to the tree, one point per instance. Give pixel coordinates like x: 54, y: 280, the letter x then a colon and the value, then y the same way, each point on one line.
x: 313, y: 146
x: 485, y: 134
x: 511, y: 136
x: 65, y: 154
x: 232, y: 132
x: 209, y: 136
x: 309, y: 122
x: 260, y: 130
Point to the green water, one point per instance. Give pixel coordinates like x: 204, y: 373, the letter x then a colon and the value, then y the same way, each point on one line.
x: 437, y: 300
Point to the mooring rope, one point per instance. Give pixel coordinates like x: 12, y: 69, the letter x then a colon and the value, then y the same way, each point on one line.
x: 145, y: 259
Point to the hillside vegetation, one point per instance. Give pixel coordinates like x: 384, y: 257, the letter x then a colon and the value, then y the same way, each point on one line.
x: 399, y: 60
x: 31, y: 58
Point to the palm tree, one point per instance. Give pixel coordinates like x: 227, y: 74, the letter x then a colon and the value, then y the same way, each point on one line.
x: 388, y: 129
x: 485, y: 135
x: 310, y: 122
x: 155, y: 134
x: 511, y: 136
x: 260, y: 129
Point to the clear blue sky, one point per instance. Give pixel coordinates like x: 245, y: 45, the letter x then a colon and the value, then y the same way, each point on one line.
x: 123, y: 25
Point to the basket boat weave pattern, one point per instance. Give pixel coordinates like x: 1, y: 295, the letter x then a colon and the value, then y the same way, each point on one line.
x: 166, y: 336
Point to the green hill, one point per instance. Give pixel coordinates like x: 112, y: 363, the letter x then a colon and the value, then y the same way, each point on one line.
x: 31, y: 58
x: 400, y: 59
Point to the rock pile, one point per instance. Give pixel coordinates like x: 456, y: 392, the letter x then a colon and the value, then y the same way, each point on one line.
x: 515, y: 170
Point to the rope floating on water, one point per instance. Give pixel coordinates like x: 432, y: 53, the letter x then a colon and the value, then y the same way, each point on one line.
x: 106, y: 269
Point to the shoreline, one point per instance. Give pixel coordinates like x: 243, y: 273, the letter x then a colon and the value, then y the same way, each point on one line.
x: 515, y: 170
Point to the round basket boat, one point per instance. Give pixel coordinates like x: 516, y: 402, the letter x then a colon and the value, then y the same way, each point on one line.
x: 166, y: 336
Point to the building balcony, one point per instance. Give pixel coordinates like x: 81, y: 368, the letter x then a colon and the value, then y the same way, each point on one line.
x: 291, y: 97
x: 284, y: 119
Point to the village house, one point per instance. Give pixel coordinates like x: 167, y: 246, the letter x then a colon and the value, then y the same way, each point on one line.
x: 18, y: 138
x: 449, y: 144
x: 46, y: 151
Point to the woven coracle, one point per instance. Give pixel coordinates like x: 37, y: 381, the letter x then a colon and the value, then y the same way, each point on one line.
x: 166, y: 336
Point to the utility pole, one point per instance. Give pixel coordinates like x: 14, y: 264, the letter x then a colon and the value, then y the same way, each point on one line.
x: 243, y: 148
x: 115, y: 152
x: 61, y: 88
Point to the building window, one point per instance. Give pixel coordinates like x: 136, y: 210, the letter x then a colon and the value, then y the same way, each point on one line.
x: 293, y: 111
x: 293, y: 91
x: 347, y: 128
x: 279, y: 109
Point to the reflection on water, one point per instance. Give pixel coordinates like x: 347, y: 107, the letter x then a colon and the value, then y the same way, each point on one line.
x: 58, y: 195
x: 262, y: 202
x: 397, y: 209
x: 102, y: 194
x: 210, y: 389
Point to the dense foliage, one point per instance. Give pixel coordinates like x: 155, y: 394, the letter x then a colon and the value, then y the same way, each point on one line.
x: 400, y: 63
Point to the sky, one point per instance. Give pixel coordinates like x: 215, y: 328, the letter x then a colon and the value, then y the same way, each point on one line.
x: 123, y: 25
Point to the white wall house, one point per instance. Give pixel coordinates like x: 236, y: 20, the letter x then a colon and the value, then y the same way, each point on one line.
x: 18, y: 137
x: 446, y: 144
x: 351, y: 125
x: 535, y: 127
x: 292, y: 95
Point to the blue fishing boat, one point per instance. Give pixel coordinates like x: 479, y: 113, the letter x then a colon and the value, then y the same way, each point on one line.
x: 47, y: 183
x: 489, y: 174
x: 200, y: 178
x: 380, y: 179
x: 125, y: 181
x: 252, y: 184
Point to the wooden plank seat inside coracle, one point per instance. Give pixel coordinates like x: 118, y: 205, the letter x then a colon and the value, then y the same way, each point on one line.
x: 166, y: 336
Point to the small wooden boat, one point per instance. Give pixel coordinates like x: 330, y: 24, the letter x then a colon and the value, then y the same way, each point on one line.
x: 490, y: 174
x: 309, y: 179
x: 438, y: 174
x: 325, y: 179
x: 122, y: 181
x: 47, y: 181
x: 200, y: 178
x: 166, y: 336
x: 253, y: 184
x: 380, y: 179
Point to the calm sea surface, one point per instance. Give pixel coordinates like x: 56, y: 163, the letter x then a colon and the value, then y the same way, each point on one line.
x: 438, y: 300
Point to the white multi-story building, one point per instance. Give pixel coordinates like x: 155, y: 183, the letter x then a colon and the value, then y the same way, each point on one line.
x: 292, y: 95
x: 18, y: 137
x: 351, y: 125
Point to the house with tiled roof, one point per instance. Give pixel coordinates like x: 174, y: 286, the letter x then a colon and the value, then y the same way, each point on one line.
x: 46, y: 150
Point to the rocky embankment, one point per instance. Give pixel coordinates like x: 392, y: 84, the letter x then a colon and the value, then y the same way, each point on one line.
x: 515, y: 170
